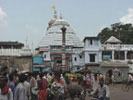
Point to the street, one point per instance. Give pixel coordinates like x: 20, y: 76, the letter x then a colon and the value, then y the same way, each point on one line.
x: 117, y: 93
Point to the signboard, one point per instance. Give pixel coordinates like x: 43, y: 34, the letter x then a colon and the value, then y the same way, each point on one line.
x: 43, y: 49
x: 106, y: 57
x: 37, y: 60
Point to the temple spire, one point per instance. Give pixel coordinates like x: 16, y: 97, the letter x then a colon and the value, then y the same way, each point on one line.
x: 61, y: 17
x: 55, y: 14
x: 26, y: 41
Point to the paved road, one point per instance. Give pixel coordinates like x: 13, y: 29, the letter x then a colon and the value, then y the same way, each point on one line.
x: 117, y: 93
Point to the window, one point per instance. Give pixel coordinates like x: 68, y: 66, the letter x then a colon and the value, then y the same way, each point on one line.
x: 45, y: 56
x: 92, y: 57
x: 75, y: 59
x: 91, y: 42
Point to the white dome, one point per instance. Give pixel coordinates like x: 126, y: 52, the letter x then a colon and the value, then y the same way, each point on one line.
x: 53, y: 35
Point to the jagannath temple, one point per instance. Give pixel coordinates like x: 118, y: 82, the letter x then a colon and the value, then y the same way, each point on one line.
x: 50, y: 45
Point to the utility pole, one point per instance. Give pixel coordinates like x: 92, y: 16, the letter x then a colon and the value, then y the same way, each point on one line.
x: 120, y: 43
x: 63, y: 29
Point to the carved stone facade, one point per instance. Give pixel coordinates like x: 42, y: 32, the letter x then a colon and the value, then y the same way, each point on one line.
x: 16, y: 63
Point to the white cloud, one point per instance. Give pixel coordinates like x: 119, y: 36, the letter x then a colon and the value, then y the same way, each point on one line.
x: 2, y: 16
x: 128, y: 18
x: 3, y: 25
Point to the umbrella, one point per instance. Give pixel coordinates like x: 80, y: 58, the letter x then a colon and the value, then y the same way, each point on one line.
x: 79, y: 75
x: 71, y: 75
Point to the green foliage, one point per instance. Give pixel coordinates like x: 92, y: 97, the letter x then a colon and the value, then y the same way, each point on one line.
x: 124, y: 32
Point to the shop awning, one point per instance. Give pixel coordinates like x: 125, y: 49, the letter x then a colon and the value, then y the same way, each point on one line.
x: 36, y: 69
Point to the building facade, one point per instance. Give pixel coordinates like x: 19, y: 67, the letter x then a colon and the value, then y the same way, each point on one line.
x: 51, y: 45
x: 89, y: 53
x: 114, y: 50
x: 15, y: 56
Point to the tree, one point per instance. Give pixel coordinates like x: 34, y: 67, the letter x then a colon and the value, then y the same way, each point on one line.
x: 124, y: 32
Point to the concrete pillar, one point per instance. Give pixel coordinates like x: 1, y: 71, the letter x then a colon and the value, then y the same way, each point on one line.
x: 100, y: 56
x: 87, y: 59
x: 125, y: 55
x: 63, y: 48
x: 113, y: 55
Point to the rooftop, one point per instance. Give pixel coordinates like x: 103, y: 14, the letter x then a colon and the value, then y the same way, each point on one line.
x: 95, y: 38
x: 11, y: 43
x: 113, y: 40
x: 114, y: 64
x: 53, y: 35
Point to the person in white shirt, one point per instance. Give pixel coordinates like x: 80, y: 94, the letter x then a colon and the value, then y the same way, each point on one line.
x: 95, y: 83
x: 130, y: 79
x: 27, y: 88
x: 113, y: 79
x: 19, y: 92
x: 102, y: 92
x: 34, y: 88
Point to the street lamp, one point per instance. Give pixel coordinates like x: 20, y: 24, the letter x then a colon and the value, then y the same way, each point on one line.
x: 63, y: 29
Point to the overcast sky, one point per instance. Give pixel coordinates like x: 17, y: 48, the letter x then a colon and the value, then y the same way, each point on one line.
x: 22, y: 19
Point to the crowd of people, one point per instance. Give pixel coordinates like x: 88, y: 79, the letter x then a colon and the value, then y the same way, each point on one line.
x: 50, y: 86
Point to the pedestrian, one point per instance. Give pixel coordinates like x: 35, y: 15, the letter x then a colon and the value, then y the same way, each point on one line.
x: 26, y: 87
x: 49, y: 79
x: 19, y: 93
x: 58, y: 87
x: 130, y: 79
x: 107, y: 79
x: 42, y: 86
x: 11, y: 82
x: 113, y: 79
x: 5, y: 91
x: 34, y: 88
x: 102, y: 92
x: 95, y: 83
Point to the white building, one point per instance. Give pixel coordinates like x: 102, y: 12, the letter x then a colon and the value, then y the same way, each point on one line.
x: 92, y: 46
x: 114, y: 50
x: 92, y: 52
x: 15, y: 56
x: 79, y: 55
x: 10, y: 48
x: 50, y: 46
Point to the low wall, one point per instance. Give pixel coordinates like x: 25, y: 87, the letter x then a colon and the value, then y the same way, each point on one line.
x: 20, y: 63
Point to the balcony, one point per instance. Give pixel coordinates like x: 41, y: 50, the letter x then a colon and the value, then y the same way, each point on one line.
x: 54, y: 51
x: 122, y: 47
x: 10, y: 52
x: 14, y: 52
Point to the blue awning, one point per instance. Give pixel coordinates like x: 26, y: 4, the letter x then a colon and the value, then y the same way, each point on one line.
x: 36, y: 69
